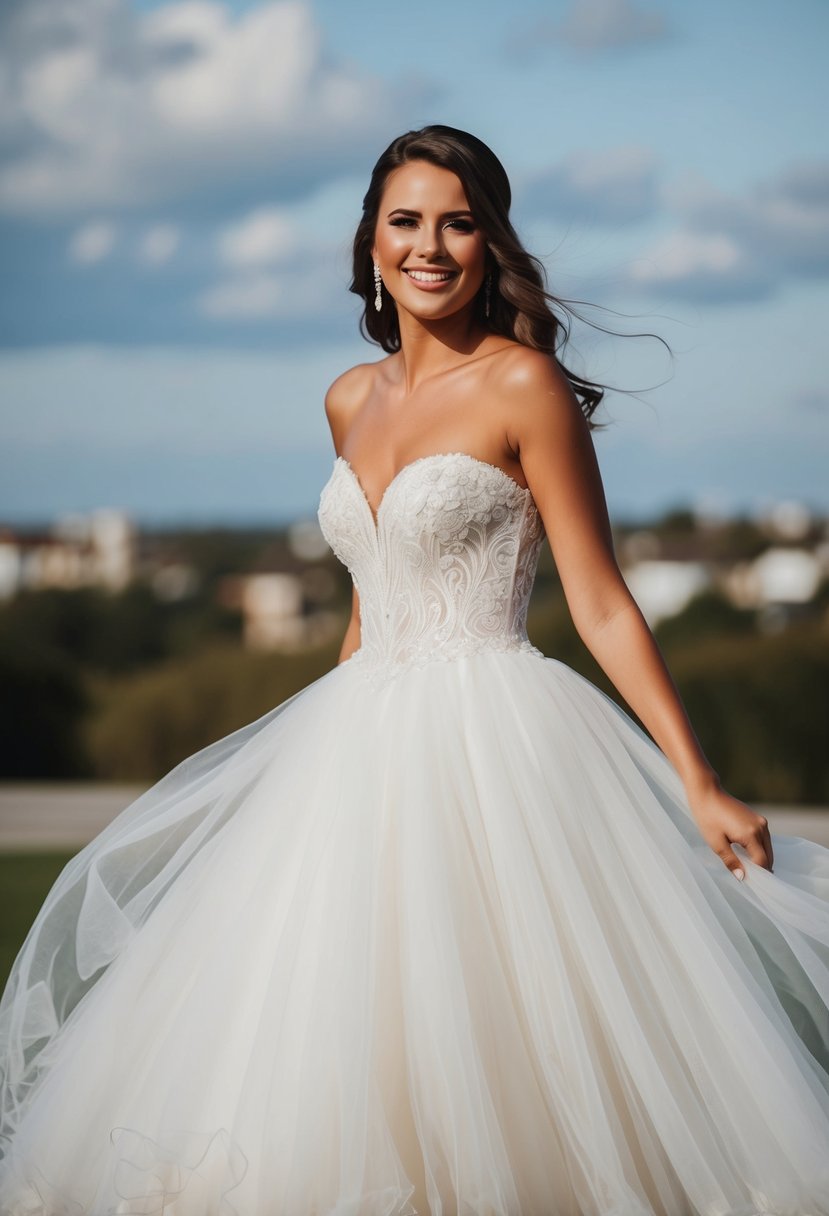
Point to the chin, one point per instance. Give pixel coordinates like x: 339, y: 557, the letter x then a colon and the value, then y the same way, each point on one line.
x: 439, y: 311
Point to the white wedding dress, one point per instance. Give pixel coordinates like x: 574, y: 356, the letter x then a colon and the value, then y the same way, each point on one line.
x: 437, y: 934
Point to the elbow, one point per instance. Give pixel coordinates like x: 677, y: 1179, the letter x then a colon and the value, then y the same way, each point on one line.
x: 590, y: 617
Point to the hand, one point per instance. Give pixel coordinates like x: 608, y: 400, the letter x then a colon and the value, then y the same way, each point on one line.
x: 723, y: 820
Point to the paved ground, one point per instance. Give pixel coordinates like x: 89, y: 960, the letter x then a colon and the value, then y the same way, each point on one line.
x: 58, y: 815
x: 48, y: 815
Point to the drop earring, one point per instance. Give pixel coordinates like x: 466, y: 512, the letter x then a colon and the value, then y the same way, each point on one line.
x: 488, y: 289
x: 378, y: 299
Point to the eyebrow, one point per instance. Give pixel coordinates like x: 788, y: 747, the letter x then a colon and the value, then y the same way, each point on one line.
x: 417, y: 214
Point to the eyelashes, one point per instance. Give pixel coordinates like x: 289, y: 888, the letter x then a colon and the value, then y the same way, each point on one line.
x: 462, y: 225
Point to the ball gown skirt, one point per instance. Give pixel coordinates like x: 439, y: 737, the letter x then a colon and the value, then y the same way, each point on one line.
x: 437, y: 934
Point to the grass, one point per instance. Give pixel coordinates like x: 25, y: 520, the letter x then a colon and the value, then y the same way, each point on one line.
x: 25, y: 879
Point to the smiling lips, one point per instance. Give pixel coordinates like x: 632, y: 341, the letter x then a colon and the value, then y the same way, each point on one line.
x: 431, y: 277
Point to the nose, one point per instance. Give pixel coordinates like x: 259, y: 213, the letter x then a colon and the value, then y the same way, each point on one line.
x: 430, y: 243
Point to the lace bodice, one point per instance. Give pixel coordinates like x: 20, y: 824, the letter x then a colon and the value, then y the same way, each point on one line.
x: 447, y: 566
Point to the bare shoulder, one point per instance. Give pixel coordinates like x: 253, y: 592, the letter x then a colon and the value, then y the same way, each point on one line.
x: 346, y: 396
x: 522, y: 371
x: 534, y: 394
x: 349, y: 390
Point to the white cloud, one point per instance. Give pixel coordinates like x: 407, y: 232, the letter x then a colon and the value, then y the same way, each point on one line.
x: 686, y: 253
x: 101, y: 105
x: 158, y: 244
x: 616, y: 186
x: 306, y: 289
x: 255, y: 296
x: 784, y: 220
x: 249, y: 71
x: 274, y: 268
x: 732, y: 247
x: 710, y: 267
x: 92, y: 242
x: 263, y: 236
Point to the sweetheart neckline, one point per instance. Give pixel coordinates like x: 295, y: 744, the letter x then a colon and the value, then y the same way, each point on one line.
x: 410, y: 465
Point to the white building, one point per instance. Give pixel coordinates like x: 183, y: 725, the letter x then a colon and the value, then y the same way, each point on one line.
x: 662, y: 588
x: 78, y: 551
x: 777, y: 576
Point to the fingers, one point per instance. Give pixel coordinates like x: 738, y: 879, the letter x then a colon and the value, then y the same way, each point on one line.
x: 731, y: 859
x: 758, y: 844
x: 768, y: 845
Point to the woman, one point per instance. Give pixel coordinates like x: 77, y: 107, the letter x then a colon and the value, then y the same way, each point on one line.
x: 445, y: 932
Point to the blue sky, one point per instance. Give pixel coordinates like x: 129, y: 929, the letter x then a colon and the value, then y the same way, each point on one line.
x: 180, y: 182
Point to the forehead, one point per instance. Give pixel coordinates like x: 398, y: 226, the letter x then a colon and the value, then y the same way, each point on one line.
x: 420, y: 185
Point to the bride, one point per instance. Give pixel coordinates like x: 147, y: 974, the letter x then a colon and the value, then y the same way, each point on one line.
x: 445, y: 932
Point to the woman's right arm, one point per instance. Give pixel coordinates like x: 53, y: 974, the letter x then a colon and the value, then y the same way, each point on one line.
x: 342, y: 400
x: 351, y: 641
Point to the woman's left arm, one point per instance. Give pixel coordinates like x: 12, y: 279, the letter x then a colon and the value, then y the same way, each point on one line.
x: 550, y: 436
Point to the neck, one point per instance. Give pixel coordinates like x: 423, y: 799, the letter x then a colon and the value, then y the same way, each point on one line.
x: 430, y: 347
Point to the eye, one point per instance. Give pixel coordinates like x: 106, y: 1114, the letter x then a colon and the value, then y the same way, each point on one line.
x: 461, y: 225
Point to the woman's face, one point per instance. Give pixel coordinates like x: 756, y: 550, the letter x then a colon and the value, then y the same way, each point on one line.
x: 424, y: 224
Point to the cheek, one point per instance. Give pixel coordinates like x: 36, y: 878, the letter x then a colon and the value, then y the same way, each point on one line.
x: 470, y: 254
x: 391, y: 240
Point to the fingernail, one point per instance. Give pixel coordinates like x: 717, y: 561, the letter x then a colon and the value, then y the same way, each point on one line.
x: 739, y: 874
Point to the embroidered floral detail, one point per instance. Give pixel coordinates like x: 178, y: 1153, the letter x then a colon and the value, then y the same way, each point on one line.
x: 446, y: 568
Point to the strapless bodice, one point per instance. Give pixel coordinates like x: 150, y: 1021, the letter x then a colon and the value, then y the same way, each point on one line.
x: 447, y: 566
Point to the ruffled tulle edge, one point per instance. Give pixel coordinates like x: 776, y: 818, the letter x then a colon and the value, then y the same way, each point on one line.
x: 168, y: 1176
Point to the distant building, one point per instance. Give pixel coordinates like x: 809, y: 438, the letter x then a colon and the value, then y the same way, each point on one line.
x: 272, y: 611
x: 787, y: 519
x: 79, y: 551
x: 283, y: 600
x: 778, y: 576
x: 665, y: 571
x: 663, y: 588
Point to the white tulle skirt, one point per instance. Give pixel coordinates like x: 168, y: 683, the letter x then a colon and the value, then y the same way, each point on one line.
x: 450, y: 946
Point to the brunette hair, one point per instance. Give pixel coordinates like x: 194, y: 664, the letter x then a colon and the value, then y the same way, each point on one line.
x: 520, y: 305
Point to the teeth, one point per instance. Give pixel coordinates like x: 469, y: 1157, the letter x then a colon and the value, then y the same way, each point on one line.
x: 426, y: 276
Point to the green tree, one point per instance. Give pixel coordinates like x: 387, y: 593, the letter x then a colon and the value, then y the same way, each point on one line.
x: 707, y: 615
x: 42, y: 713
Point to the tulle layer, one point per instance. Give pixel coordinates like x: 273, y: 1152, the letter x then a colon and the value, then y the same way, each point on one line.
x: 453, y: 946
